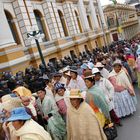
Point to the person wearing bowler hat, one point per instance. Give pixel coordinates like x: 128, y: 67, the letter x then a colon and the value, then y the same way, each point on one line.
x: 64, y: 79
x: 57, y: 77
x: 82, y: 123
x: 61, y: 99
x: 76, y: 81
x: 48, y: 109
x: 104, y: 72
x: 124, y: 96
x: 25, y: 127
x: 96, y: 99
x: 108, y: 91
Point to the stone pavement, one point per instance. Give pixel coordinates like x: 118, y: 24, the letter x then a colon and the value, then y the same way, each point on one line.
x: 131, y: 125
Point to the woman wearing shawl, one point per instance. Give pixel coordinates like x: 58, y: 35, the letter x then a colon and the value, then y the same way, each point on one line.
x: 82, y: 123
x: 21, y: 91
x: 108, y: 91
x: 138, y: 67
x: 61, y: 99
x: 76, y: 81
x: 49, y: 111
x: 96, y: 99
x: 124, y: 93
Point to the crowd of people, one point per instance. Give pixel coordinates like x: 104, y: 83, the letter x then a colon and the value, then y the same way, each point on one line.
x: 73, y: 101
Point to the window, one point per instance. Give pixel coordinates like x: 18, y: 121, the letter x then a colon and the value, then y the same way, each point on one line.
x: 89, y: 21
x: 12, y: 26
x: 41, y: 24
x: 63, y: 22
x: 78, y: 21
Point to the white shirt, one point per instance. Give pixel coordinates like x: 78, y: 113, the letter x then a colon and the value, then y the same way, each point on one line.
x: 105, y: 73
x: 108, y: 90
x: 79, y: 83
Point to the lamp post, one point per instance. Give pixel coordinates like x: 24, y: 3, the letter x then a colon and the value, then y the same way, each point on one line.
x: 36, y: 35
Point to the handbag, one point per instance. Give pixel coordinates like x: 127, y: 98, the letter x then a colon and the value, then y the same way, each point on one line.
x: 110, y: 131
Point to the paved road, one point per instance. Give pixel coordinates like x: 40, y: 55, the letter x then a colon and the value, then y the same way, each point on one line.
x: 131, y: 125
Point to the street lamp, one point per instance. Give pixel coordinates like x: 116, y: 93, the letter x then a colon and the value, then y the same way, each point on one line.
x: 36, y: 35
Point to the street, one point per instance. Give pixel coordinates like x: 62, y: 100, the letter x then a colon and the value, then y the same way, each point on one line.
x: 131, y: 125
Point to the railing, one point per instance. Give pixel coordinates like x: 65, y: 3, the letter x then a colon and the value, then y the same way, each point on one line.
x: 48, y: 44
x: 68, y: 39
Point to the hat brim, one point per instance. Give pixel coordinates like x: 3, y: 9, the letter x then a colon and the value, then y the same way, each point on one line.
x: 68, y: 73
x: 89, y: 76
x: 75, y: 97
x: 101, y: 66
x: 117, y: 64
x: 95, y: 73
x: 20, y: 118
x: 75, y: 71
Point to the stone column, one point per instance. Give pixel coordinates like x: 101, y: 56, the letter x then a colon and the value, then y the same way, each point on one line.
x: 53, y: 20
x: 83, y: 15
x: 25, y: 18
x: 101, y: 13
x: 69, y: 15
x: 6, y: 37
x: 93, y: 14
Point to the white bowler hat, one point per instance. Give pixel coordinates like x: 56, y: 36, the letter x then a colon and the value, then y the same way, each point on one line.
x: 99, y: 65
x: 95, y: 70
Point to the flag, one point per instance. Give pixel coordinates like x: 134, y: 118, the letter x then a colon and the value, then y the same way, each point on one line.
x: 119, y: 27
x: 114, y: 1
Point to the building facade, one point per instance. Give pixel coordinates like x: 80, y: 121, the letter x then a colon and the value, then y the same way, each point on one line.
x: 69, y: 27
x: 122, y: 21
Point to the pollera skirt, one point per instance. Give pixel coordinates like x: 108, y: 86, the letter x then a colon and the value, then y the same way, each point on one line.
x: 124, y: 104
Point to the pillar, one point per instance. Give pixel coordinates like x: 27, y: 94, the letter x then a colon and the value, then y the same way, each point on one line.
x: 26, y: 19
x: 83, y: 15
x: 101, y: 13
x: 93, y: 14
x: 53, y: 20
x: 70, y: 17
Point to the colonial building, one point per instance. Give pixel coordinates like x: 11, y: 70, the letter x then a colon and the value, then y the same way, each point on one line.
x: 69, y: 26
x: 122, y: 21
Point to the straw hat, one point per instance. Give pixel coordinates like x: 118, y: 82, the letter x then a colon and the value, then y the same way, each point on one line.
x: 11, y: 104
x: 75, y: 93
x: 88, y: 74
x: 99, y: 65
x: 6, y: 98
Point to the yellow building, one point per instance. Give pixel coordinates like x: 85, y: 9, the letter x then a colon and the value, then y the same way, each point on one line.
x: 122, y: 21
x: 69, y: 26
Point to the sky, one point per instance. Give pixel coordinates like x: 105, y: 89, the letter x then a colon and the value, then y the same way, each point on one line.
x: 105, y: 2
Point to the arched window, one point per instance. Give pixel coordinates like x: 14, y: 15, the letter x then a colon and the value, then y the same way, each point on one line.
x: 89, y: 21
x: 41, y: 24
x: 98, y: 20
x: 63, y: 23
x: 78, y: 21
x: 12, y: 27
